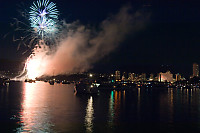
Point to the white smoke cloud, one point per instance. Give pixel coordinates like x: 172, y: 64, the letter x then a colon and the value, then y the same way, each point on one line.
x: 80, y: 46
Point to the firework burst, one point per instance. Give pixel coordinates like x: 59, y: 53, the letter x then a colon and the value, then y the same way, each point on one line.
x: 44, y: 17
x: 44, y: 23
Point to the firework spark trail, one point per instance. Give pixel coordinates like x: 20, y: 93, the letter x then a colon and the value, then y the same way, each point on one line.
x: 35, y: 63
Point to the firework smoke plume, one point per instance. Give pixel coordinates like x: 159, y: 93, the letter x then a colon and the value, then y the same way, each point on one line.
x: 80, y: 47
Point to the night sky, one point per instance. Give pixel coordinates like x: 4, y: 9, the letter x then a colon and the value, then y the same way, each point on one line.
x: 170, y: 39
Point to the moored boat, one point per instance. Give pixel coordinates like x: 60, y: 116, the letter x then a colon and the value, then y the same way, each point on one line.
x: 29, y: 80
x: 51, y: 82
x: 65, y: 82
x: 86, y: 87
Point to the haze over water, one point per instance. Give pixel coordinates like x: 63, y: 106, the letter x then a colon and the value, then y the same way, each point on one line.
x: 40, y: 107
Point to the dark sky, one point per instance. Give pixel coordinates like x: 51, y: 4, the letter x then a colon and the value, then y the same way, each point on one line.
x: 170, y: 39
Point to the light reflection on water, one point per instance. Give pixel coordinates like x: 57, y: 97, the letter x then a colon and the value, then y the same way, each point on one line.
x: 41, y: 107
x: 117, y: 104
x: 111, y: 112
x: 89, y: 116
x: 171, y: 104
x: 138, y: 102
x: 35, y: 115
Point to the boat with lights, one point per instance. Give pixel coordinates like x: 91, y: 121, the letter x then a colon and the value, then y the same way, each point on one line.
x: 82, y: 87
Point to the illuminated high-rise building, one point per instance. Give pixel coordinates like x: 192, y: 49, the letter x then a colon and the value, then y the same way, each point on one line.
x: 142, y: 77
x: 163, y: 77
x: 151, y: 78
x: 131, y: 76
x: 125, y: 75
x: 195, y: 70
x: 178, y: 77
x: 117, y: 75
x: 123, y: 78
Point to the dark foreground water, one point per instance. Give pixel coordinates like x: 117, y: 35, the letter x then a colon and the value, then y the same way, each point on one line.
x: 40, y: 107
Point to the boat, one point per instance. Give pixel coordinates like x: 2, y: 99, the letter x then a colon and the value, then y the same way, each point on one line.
x: 51, y: 82
x: 4, y: 82
x: 65, y: 82
x: 57, y: 81
x: 29, y: 80
x: 86, y: 88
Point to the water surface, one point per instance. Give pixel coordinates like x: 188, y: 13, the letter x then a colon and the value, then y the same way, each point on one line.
x: 40, y: 107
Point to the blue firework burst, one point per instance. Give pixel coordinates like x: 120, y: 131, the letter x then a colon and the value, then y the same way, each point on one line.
x: 43, y: 17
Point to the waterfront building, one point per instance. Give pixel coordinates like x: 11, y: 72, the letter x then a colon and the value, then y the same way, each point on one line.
x: 178, y: 77
x: 151, y: 78
x: 117, y: 75
x: 131, y: 76
x: 142, y: 77
x: 124, y: 76
x: 166, y: 77
x: 195, y: 70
